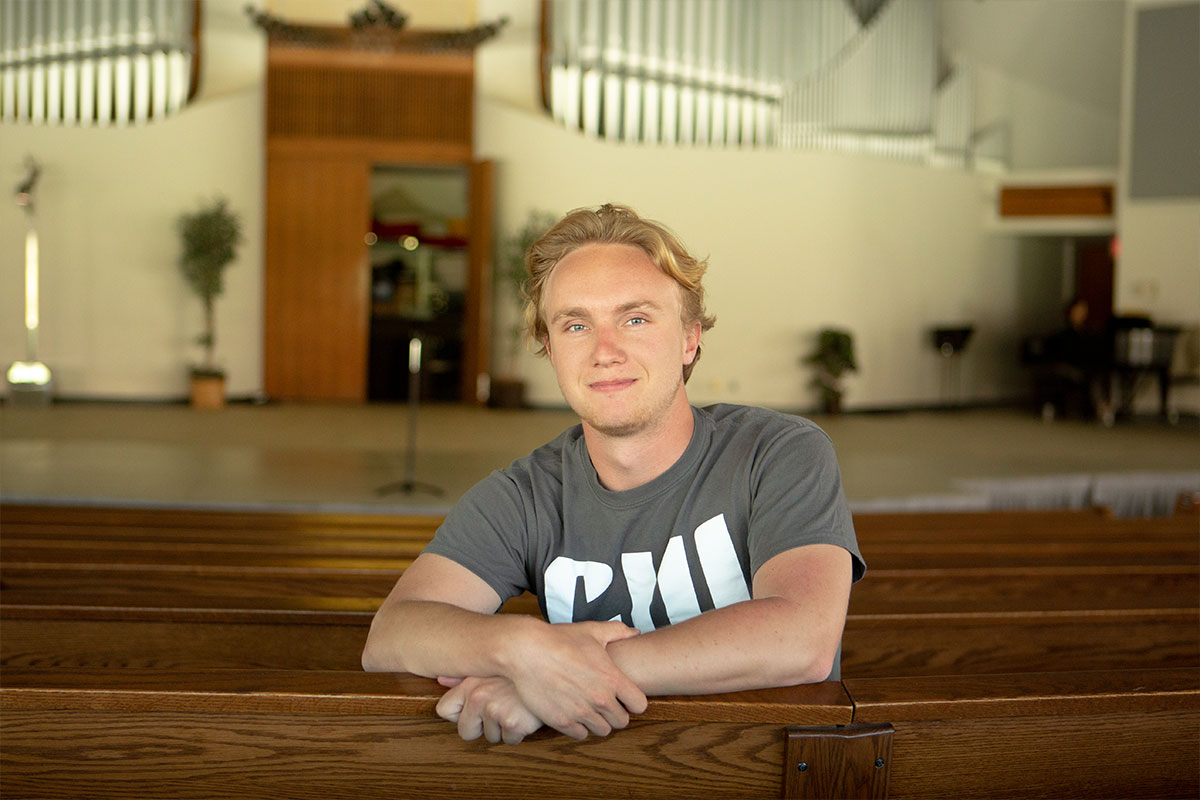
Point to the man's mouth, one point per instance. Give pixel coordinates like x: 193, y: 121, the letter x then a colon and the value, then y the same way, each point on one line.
x: 615, y: 385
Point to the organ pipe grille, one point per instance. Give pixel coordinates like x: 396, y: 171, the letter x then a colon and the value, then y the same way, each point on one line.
x: 95, y: 62
x: 845, y: 75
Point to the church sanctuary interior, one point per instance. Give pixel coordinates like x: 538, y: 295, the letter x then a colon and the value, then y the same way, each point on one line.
x: 258, y: 323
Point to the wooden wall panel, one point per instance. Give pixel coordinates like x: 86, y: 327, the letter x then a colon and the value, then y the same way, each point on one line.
x: 332, y: 113
x: 316, y: 282
x: 1066, y: 201
x: 364, y: 99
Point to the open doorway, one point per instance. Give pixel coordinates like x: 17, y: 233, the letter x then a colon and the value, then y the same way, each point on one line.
x: 1094, y: 271
x: 419, y: 279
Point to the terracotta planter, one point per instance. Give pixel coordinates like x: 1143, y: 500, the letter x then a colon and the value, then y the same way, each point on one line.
x: 208, y: 392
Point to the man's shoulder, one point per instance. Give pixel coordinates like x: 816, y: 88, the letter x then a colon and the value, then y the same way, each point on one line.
x: 529, y: 482
x: 548, y: 459
x: 733, y: 419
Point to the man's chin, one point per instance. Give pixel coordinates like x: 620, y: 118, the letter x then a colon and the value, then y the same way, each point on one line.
x: 613, y: 427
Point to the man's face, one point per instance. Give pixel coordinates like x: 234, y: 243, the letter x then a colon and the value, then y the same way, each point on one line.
x: 616, y: 339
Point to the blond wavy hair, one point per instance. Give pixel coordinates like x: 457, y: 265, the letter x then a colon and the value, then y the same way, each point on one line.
x: 614, y: 224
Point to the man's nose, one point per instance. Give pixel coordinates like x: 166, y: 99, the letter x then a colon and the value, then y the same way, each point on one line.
x: 607, y: 348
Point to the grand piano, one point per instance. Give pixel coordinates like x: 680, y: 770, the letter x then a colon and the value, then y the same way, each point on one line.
x: 1101, y: 374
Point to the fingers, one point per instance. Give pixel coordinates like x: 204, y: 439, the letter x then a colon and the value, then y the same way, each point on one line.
x: 449, y: 682
x: 632, y: 698
x: 491, y: 708
x: 450, y: 706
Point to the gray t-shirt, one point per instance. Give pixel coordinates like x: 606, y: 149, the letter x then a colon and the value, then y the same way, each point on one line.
x: 751, y: 484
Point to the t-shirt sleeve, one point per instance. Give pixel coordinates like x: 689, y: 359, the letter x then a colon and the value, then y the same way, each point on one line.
x: 798, y: 498
x: 485, y: 532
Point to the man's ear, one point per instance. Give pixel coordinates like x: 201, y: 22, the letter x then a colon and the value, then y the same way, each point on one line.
x: 549, y: 352
x: 691, y: 342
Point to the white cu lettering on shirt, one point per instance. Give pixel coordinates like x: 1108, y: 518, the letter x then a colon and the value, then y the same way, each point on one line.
x: 718, y: 563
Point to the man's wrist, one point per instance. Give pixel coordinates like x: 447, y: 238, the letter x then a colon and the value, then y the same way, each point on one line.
x: 623, y: 653
x: 510, y: 642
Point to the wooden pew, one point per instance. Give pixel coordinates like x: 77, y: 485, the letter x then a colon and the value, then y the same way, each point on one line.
x: 98, y: 638
x: 368, y: 535
x: 99, y: 733
x: 885, y: 645
x: 908, y: 620
x: 959, y: 522
x: 1092, y: 542
x: 26, y: 517
x: 319, y: 638
x: 233, y: 734
x: 910, y: 554
x: 69, y: 580
x: 23, y: 517
x: 963, y: 589
x: 1068, y: 734
x: 903, y: 621
x: 1009, y: 589
x: 923, y: 636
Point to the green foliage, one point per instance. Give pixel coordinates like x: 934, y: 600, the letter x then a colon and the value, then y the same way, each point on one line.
x: 834, y: 352
x: 833, y: 357
x: 210, y: 238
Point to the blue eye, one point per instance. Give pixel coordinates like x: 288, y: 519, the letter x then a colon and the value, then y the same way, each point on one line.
x: 637, y: 320
x: 576, y: 327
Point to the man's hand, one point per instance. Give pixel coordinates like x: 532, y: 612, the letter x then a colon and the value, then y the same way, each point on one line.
x: 488, y: 707
x: 439, y: 621
x: 566, y: 671
x: 567, y: 679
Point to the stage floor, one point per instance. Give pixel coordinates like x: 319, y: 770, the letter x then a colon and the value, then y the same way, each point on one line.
x: 354, y: 457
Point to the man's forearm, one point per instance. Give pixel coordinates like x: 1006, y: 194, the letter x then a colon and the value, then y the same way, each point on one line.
x: 438, y: 639
x: 750, y: 645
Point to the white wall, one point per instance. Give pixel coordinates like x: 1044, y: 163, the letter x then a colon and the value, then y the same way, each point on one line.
x: 1046, y: 130
x: 117, y: 320
x: 795, y: 240
x: 1158, y: 273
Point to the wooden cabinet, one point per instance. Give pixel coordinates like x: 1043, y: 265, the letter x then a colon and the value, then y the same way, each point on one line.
x: 333, y: 119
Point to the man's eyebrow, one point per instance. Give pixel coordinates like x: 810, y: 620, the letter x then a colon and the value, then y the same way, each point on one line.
x: 568, y: 312
x: 635, y: 305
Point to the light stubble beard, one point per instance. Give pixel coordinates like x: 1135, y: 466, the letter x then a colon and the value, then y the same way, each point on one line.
x: 641, y: 420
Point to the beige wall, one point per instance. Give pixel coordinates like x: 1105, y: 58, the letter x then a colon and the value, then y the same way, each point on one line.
x: 1158, y: 273
x: 117, y: 318
x: 795, y: 241
x: 799, y: 240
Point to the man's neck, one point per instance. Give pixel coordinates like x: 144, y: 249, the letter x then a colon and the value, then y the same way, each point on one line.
x: 627, y: 462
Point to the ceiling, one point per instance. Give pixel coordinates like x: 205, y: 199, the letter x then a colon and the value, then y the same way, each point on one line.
x: 1069, y: 47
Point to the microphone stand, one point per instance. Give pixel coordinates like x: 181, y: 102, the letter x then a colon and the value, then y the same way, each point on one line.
x: 410, y: 483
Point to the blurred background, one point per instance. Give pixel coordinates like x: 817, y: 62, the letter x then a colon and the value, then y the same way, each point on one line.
x: 935, y: 179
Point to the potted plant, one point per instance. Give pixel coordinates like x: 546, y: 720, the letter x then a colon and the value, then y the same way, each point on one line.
x: 508, y: 389
x: 210, y: 237
x: 832, y: 357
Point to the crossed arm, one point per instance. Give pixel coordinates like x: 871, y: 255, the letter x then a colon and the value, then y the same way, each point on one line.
x: 510, y: 674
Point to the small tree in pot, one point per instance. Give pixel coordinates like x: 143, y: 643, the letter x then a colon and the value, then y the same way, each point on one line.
x: 210, y: 237
x: 833, y: 357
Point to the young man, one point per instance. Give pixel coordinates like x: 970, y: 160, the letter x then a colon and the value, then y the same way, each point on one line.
x: 673, y: 550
